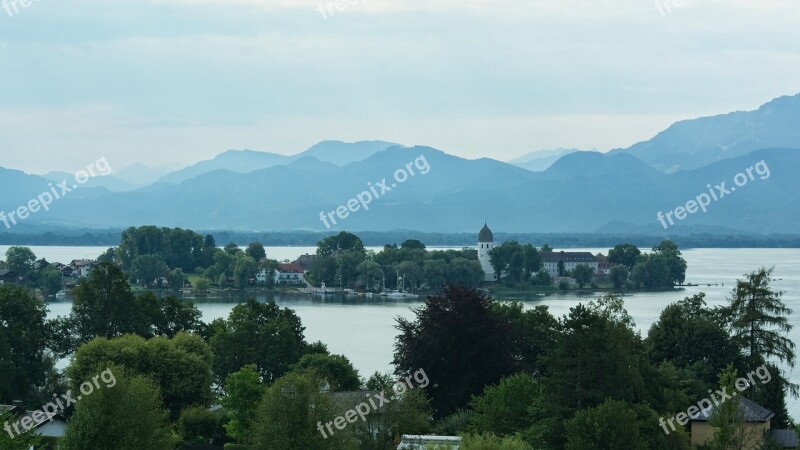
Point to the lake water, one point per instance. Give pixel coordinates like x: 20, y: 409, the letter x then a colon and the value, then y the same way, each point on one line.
x: 364, y: 330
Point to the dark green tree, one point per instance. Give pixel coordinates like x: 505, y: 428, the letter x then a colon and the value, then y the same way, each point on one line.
x: 442, y: 341
x: 24, y: 358
x: 624, y: 254
x: 262, y: 334
x: 256, y: 251
x: 336, y: 370
x: 583, y: 274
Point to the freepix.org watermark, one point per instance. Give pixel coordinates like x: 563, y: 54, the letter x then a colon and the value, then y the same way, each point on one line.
x: 12, y: 6
x: 665, y: 6
x: 374, y: 403
x: 717, y: 193
x: 717, y: 398
x: 363, y: 199
x: 59, y: 190
x: 327, y: 8
x: 58, y: 405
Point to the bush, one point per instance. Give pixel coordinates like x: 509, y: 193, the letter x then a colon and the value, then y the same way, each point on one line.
x: 232, y: 446
x: 492, y: 442
x: 563, y: 285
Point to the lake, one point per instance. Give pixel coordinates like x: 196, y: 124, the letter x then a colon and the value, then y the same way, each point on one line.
x: 364, y: 330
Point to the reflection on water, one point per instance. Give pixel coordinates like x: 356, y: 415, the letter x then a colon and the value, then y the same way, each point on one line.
x: 363, y: 329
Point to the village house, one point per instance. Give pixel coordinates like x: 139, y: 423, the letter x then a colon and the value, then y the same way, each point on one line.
x: 755, y: 430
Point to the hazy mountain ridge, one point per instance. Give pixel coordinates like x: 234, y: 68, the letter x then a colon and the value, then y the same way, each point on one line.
x: 691, y: 144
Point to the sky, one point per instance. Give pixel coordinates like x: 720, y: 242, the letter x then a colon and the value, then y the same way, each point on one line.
x: 171, y: 82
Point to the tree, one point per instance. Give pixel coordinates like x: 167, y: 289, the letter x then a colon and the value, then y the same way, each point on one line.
x: 103, y: 305
x: 759, y: 320
x: 256, y: 251
x: 596, y: 357
x: 176, y: 279
x: 618, y: 425
x: 147, y: 269
x: 336, y: 370
x: 760, y: 325
x: 491, y: 442
x: 243, y: 392
x: 291, y: 412
x: 443, y: 342
x: 198, y: 426
x: 619, y: 276
x: 562, y: 271
x: 369, y: 274
x: 504, y: 409
x: 20, y: 260
x: 51, y: 279
x: 24, y: 359
x: 261, y: 334
x: 412, y: 244
x: 243, y: 270
x: 9, y: 440
x: 688, y: 333
x: 127, y: 416
x: 534, y: 333
x: 201, y: 285
x: 181, y: 366
x: 343, y: 241
x: 624, y: 254
x: 232, y: 249
x: 583, y: 274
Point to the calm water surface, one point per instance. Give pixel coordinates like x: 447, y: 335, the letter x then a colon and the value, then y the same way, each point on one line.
x: 364, y: 330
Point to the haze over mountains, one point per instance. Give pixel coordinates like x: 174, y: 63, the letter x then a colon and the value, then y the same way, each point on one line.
x: 558, y: 191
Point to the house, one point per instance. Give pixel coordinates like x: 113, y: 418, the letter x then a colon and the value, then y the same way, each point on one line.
x: 289, y: 274
x: 550, y: 261
x: 757, y: 427
x: 305, y: 261
x: 51, y: 426
x: 286, y: 274
x: 6, y: 276
x: 418, y: 442
x: 82, y: 268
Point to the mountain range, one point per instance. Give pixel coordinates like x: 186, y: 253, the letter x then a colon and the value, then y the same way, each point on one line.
x: 565, y: 190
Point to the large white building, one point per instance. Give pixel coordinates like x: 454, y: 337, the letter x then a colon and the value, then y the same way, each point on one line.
x: 485, y: 245
x: 550, y: 261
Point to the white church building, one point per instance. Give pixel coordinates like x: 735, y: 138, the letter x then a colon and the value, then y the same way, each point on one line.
x: 485, y: 245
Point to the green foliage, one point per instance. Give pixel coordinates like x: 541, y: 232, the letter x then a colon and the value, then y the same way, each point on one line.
x: 24, y: 441
x: 535, y: 331
x: 343, y: 241
x: 517, y: 261
x: 262, y: 334
x: 176, y: 279
x: 504, y: 409
x: 759, y: 322
x: 624, y: 254
x: 583, y: 274
x: 180, y: 366
x: 445, y: 325
x: 197, y: 425
x: 289, y: 414
x: 619, y: 276
x: 127, y: 416
x: 491, y: 442
x: 617, y: 425
x: 256, y: 251
x: 178, y: 248
x: 147, y: 270
x: 336, y: 370
x: 596, y: 357
x: 243, y: 391
x: 663, y: 268
x: 687, y: 333
x: 24, y: 360
x: 20, y: 260
x: 244, y: 268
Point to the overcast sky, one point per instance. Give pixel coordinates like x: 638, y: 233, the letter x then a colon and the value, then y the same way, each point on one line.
x: 176, y: 81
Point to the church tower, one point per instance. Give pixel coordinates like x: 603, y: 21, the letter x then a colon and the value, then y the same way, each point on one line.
x: 486, y: 244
